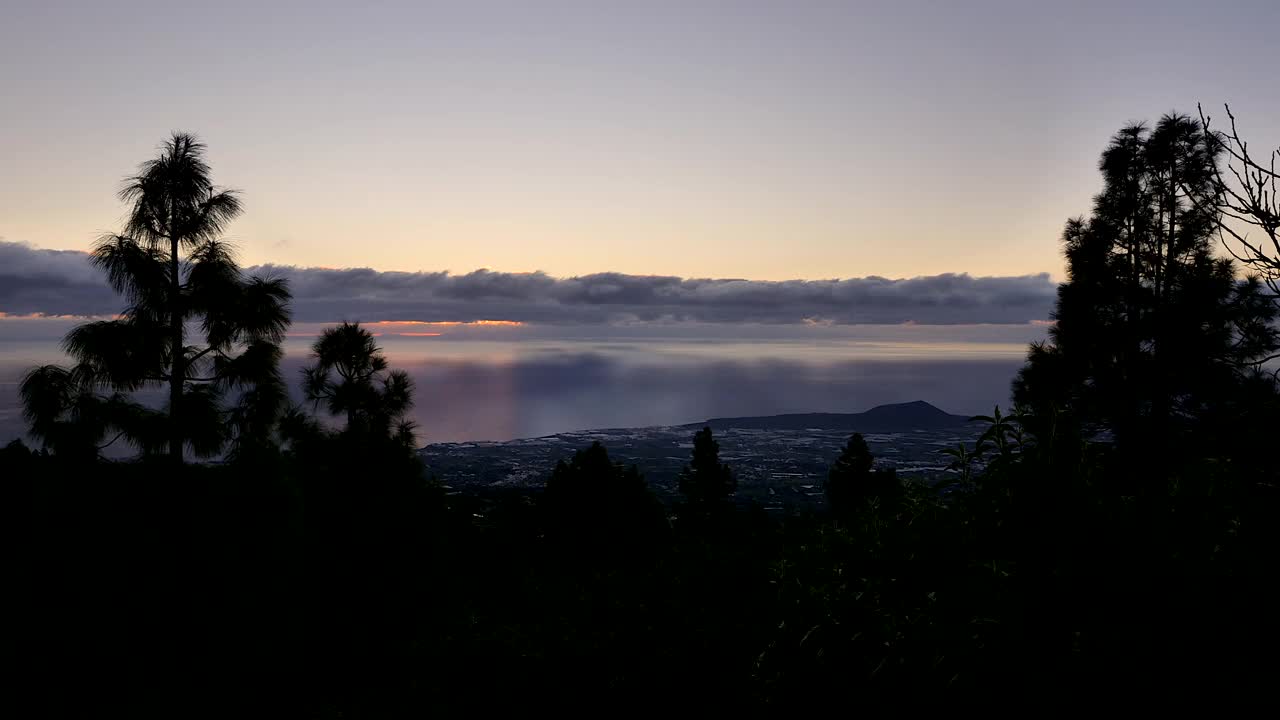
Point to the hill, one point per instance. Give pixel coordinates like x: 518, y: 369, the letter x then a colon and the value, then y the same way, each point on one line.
x: 899, y: 417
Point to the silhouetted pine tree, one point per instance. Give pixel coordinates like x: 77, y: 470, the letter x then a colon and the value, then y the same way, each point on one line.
x: 175, y: 272
x: 851, y: 482
x: 370, y: 515
x: 1154, y: 335
x: 706, y: 482
x: 351, y: 378
x: 592, y: 498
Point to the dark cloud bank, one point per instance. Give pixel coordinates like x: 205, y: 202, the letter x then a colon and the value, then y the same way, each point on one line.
x: 61, y: 282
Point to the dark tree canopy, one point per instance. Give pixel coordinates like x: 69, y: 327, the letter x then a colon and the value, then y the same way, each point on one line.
x: 592, y: 497
x: 182, y: 285
x: 851, y: 481
x: 351, y: 377
x: 1153, y: 334
x: 706, y: 482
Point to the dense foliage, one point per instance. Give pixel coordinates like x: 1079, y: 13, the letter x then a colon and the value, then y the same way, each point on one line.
x: 181, y: 283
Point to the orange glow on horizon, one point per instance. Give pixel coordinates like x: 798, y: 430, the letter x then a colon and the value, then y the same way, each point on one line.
x: 412, y: 328
x: 453, y: 323
x: 44, y: 316
x: 317, y: 334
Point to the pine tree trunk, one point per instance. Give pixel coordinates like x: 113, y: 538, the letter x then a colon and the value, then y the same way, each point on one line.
x: 177, y: 370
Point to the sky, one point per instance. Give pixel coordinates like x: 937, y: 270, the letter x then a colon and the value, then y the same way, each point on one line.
x: 767, y: 141
x: 563, y: 215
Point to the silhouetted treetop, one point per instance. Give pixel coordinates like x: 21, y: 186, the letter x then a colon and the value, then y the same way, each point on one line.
x: 1151, y: 330
x: 350, y: 376
x: 591, y: 497
x: 171, y: 267
x: 706, y: 481
x: 851, y: 481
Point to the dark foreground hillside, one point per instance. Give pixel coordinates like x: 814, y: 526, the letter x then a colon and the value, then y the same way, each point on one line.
x: 352, y: 587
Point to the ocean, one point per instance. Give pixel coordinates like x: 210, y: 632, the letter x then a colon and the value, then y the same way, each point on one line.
x: 525, y: 385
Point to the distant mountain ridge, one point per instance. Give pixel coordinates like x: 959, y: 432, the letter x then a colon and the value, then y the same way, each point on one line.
x: 898, y: 417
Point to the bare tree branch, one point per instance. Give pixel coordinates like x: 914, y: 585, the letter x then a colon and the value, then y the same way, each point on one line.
x: 1245, y: 196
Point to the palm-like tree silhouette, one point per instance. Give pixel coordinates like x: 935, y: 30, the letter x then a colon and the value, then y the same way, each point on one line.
x: 962, y: 461
x: 1003, y: 432
x: 351, y: 378
x: 175, y: 271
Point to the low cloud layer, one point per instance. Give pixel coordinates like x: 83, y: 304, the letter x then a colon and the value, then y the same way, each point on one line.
x: 57, y: 282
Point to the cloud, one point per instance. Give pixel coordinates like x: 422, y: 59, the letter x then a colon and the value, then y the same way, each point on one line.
x: 51, y: 282
x: 59, y: 282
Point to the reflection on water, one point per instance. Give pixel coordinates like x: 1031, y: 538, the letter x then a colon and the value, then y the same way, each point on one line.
x: 494, y: 390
